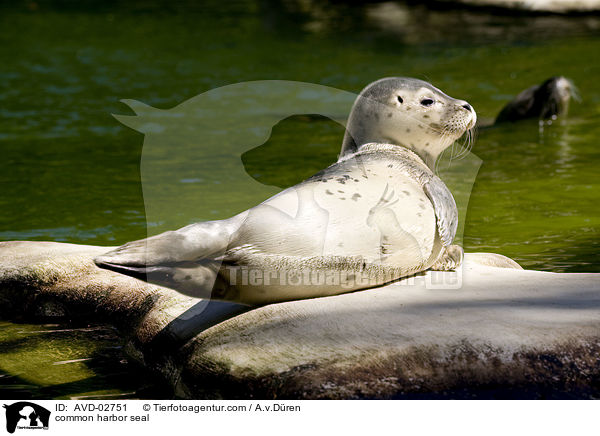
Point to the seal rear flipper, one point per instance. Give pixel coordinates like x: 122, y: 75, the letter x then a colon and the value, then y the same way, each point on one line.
x: 206, y: 240
x: 195, y: 279
x: 186, y: 260
x: 138, y: 272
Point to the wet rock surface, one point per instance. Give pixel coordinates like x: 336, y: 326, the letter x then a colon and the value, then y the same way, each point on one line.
x: 505, y: 333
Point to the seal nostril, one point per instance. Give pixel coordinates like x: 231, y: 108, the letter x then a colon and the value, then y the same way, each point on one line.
x: 467, y: 107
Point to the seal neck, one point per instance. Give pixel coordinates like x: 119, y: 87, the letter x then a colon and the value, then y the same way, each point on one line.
x: 350, y: 146
x: 428, y: 157
x: 376, y: 147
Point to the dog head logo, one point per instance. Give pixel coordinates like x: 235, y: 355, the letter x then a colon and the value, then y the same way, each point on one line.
x: 194, y: 150
x: 26, y: 415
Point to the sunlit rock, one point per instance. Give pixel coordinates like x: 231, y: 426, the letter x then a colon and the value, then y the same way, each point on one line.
x: 502, y: 332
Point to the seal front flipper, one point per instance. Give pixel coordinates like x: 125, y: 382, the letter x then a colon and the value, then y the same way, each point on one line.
x: 450, y: 258
x: 446, y: 212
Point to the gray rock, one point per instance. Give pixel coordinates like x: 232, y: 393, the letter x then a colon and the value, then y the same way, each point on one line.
x: 504, y: 332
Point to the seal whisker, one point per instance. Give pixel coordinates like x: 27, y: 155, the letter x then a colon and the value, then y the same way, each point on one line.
x: 468, y: 144
x: 465, y: 147
x: 452, y: 153
x: 445, y: 134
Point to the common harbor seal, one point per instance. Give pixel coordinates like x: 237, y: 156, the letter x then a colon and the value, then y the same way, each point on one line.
x: 544, y: 101
x: 376, y: 215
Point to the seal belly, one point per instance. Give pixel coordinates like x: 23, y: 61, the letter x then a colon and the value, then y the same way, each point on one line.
x: 385, y: 217
x: 324, y: 237
x: 382, y: 218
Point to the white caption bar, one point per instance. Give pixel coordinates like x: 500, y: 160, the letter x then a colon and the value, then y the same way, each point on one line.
x: 298, y: 417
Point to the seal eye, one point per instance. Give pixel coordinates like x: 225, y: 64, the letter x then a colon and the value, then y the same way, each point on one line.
x: 427, y: 102
x: 400, y: 100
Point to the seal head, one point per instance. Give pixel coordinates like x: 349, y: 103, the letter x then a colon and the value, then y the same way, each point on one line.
x: 410, y: 113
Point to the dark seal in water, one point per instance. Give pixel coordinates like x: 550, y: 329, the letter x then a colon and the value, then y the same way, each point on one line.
x: 545, y: 101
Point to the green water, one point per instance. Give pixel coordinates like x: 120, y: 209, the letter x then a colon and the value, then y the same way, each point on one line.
x: 70, y: 172
x: 54, y: 361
